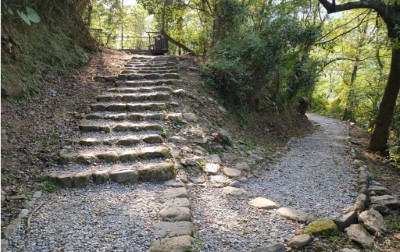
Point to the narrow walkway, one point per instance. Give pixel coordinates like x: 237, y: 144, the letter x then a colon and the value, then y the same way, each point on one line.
x: 315, y: 177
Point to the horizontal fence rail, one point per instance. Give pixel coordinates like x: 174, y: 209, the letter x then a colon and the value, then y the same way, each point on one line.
x: 154, y: 42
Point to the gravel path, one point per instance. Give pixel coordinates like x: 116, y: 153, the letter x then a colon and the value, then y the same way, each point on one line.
x: 110, y: 217
x: 315, y: 176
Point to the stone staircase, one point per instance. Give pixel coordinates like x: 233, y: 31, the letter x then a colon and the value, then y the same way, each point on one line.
x: 122, y: 139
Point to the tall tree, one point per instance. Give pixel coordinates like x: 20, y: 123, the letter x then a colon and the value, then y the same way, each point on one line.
x: 389, y: 11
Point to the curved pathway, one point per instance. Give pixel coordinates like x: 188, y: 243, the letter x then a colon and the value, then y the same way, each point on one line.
x: 316, y: 177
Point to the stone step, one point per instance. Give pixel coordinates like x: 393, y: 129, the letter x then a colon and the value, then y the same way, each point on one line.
x: 111, y: 155
x: 153, y: 64
x: 143, y: 106
x: 126, y: 116
x: 107, y: 127
x: 147, y: 71
x: 148, y: 83
x: 155, y: 96
x: 153, y: 76
x: 75, y: 176
x: 127, y: 140
x: 151, y: 89
x: 150, y: 68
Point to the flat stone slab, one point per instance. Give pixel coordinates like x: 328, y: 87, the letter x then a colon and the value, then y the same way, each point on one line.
x: 231, y: 172
x: 174, y: 213
x: 296, y: 215
x: 233, y: 191
x: 373, y: 221
x: 358, y: 234
x: 271, y: 248
x: 378, y: 190
x: 300, y: 241
x: 179, y: 192
x: 171, y: 229
x: 178, y: 202
x: 177, y: 244
x: 174, y: 183
x: 388, y: 201
x: 264, y: 203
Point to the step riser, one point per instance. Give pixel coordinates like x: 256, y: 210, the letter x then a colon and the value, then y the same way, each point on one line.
x: 140, y: 90
x: 146, y: 173
x: 148, y: 76
x: 113, y: 156
x: 119, y: 128
x: 134, y: 98
x: 136, y: 71
x: 148, y: 83
x: 132, y: 108
x: 132, y: 117
x: 130, y: 141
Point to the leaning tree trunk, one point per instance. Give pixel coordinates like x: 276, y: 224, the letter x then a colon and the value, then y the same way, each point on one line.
x: 380, y: 132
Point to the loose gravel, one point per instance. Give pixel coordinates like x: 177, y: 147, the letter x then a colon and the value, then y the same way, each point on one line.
x: 315, y: 176
x: 109, y: 217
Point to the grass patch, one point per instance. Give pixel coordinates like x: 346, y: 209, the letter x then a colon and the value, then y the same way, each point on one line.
x: 47, y: 186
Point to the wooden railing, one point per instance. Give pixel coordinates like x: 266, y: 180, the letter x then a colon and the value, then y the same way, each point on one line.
x: 155, y: 41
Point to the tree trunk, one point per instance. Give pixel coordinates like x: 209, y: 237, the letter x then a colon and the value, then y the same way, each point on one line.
x: 380, y: 132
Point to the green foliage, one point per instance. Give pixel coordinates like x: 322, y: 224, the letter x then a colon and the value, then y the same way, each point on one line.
x: 264, y: 67
x: 40, y: 52
x: 47, y: 186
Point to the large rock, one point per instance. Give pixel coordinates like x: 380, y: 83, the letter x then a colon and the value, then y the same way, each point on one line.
x: 261, y: 202
x: 358, y: 234
x: 295, y: 215
x: 361, y: 202
x: 177, y: 244
x: 175, y: 214
x: 388, y: 201
x: 225, y: 137
x: 124, y: 176
x: 243, y: 166
x: 378, y: 190
x: 171, y: 229
x: 373, y: 221
x: 300, y: 241
x: 345, y: 220
x: 271, y: 248
x: 325, y: 227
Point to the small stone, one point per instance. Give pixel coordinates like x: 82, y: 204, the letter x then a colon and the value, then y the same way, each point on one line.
x: 174, y: 183
x: 357, y: 163
x: 212, y: 168
x: 23, y: 213
x: 271, y: 248
x: 11, y: 228
x: 300, y: 241
x: 179, y: 192
x: 348, y: 250
x: 222, y: 109
x: 190, y: 117
x: 37, y: 194
x: 233, y: 191
x: 264, y: 203
x: 176, y: 244
x: 231, y: 172
x: 295, y: 215
x: 197, y: 180
x: 373, y: 221
x: 242, y: 166
x: 214, y: 158
x: 171, y: 229
x: 219, y: 179
x: 361, y: 202
x: 397, y: 236
x: 225, y: 137
x: 177, y: 139
x: 360, y: 235
x: 325, y: 227
x: 175, y: 214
